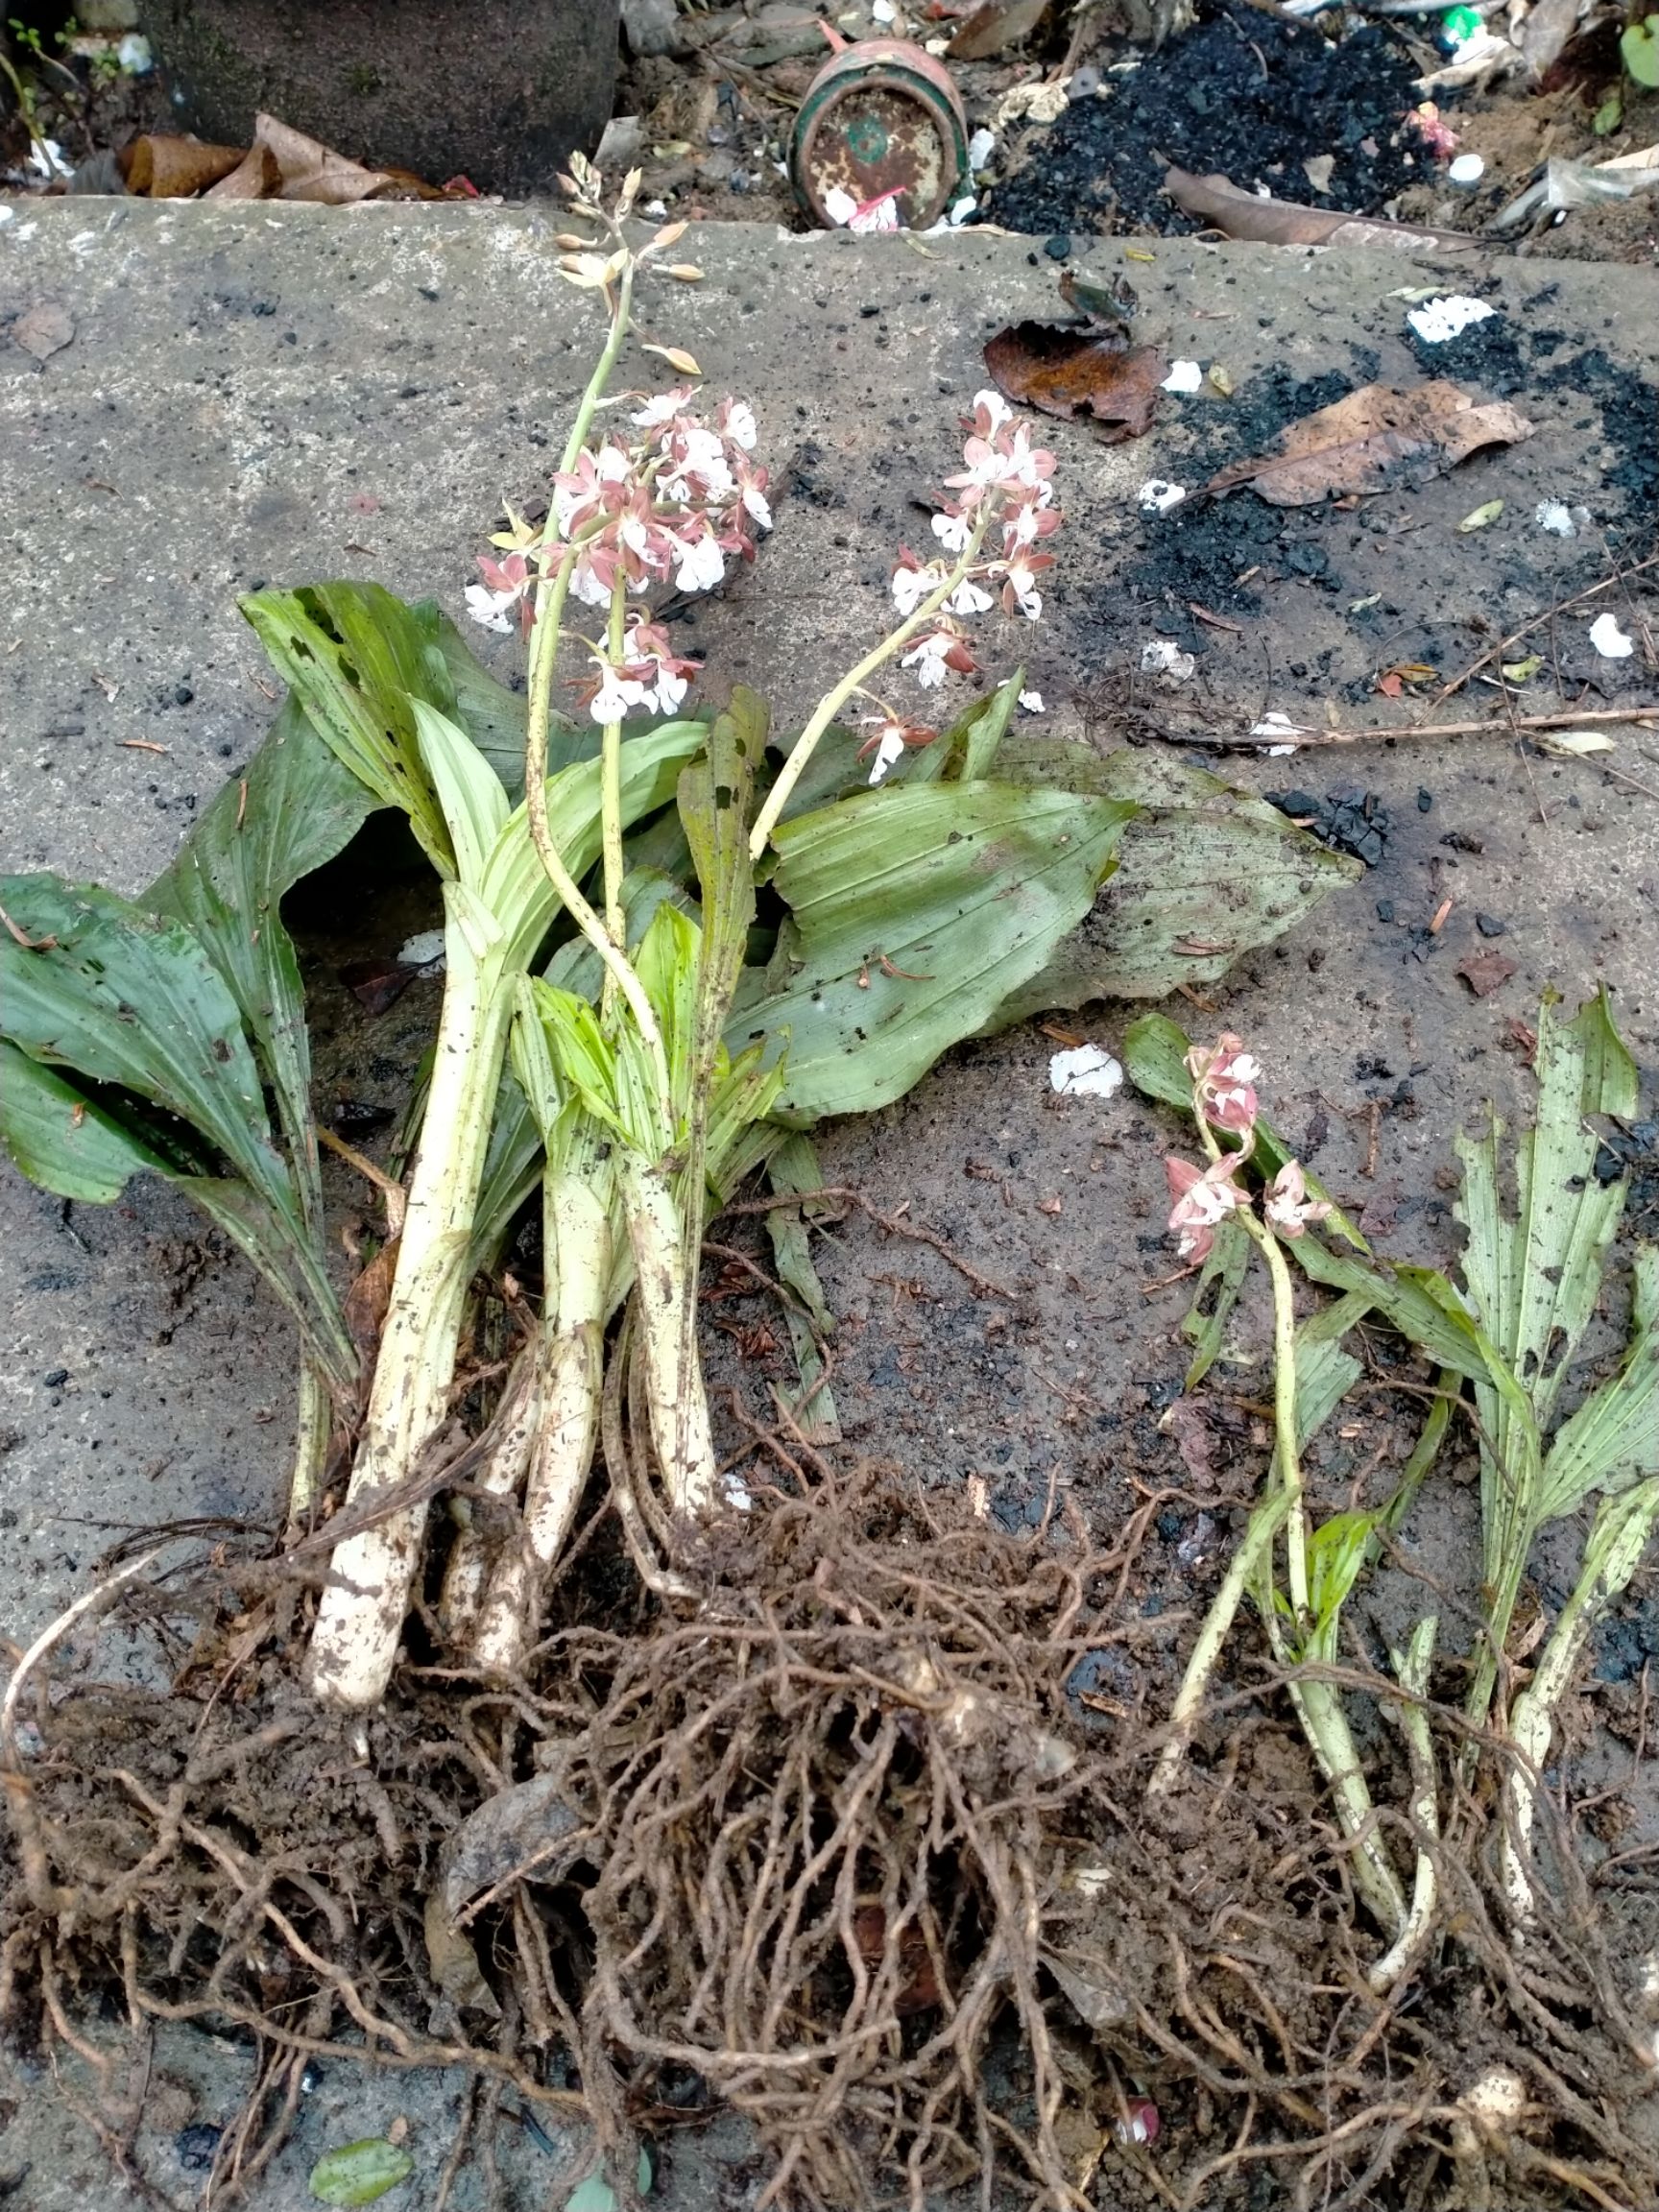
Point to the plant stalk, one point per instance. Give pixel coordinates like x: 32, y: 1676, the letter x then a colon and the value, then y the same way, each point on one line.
x: 832, y: 701
x: 1411, y: 1670
x: 678, y: 1407
x: 360, y: 1617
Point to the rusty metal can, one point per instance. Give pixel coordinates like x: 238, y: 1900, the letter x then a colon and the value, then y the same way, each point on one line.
x: 881, y: 118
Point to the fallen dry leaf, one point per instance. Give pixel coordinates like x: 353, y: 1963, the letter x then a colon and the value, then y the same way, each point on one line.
x: 1243, y: 215
x: 1484, y: 971
x: 1380, y: 434
x: 283, y: 163
x: 1071, y: 370
x: 998, y: 24
x: 159, y: 167
x: 1186, y: 1423
x: 45, y: 330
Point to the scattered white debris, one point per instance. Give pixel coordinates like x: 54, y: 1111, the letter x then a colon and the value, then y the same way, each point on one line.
x: 46, y: 159
x: 1444, y: 318
x: 839, y: 205
x: 134, y: 56
x: 1087, y: 1071
x: 960, y: 210
x: 1280, y: 731
x: 1467, y: 169
x: 1556, y: 517
x: 1608, y: 639
x: 655, y: 210
x: 8, y: 214
x: 980, y: 148
x: 1317, y: 171
x: 1041, y: 102
x: 1033, y: 702
x: 1157, y: 495
x: 1162, y: 657
x: 883, y: 11
x: 1183, y: 377
x: 1574, y: 744
x: 425, y: 949
x: 889, y: 751
x: 1278, y: 752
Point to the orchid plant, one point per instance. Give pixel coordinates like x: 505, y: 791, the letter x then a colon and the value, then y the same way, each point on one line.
x: 625, y: 1096
x: 1301, y: 1619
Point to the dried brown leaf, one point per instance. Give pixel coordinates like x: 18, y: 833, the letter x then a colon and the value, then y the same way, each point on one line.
x: 257, y: 176
x: 161, y: 167
x: 45, y: 329
x: 1283, y: 222
x: 314, y: 172
x: 1383, y: 433
x: 996, y: 25
x: 1484, y: 972
x: 1068, y: 369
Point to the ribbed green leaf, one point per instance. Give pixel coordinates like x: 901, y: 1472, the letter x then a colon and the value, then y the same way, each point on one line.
x: 914, y: 914
x: 356, y: 657
x: 1205, y: 874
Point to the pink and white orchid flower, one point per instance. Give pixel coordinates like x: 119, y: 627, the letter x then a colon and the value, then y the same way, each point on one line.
x: 1204, y: 1197
x: 1224, y: 1078
x: 1287, y: 1204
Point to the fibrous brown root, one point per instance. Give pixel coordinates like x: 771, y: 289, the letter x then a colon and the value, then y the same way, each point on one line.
x: 831, y: 1841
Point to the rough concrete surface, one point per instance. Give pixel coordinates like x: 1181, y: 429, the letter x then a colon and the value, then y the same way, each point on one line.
x: 282, y: 393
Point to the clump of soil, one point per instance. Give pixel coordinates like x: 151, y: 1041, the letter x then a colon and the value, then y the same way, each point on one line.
x: 848, y: 1846
x: 1242, y: 93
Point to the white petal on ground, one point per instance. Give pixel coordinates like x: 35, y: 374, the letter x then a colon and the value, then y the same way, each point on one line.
x: 840, y: 206
x: 1608, y: 639
x: 1087, y: 1071
x: 1033, y: 702
x: 1467, y: 169
x: 1157, y: 495
x: 1556, y: 517
x: 1162, y: 657
x: 1280, y: 728
x: 422, y: 950
x: 1438, y: 319
x: 980, y: 148
x: 1183, y: 377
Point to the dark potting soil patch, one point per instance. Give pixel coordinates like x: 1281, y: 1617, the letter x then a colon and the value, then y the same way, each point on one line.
x: 1215, y: 552
x: 1242, y: 93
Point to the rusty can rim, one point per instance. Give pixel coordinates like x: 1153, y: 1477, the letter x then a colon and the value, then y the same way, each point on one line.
x: 889, y: 70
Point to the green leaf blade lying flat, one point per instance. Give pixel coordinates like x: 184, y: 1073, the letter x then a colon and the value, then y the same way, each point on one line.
x: 60, y: 1139
x: 1205, y: 874
x: 119, y: 997
x: 915, y: 913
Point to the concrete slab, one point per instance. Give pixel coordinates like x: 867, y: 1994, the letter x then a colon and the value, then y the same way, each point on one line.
x: 289, y: 393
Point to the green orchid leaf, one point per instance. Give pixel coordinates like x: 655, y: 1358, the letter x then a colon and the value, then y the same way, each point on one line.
x: 295, y: 809
x: 794, y: 1168
x: 1205, y: 874
x: 62, y: 1139
x: 1613, y: 1439
x: 356, y: 657
x: 914, y: 913
x: 127, y: 1001
x: 515, y: 885
x: 1220, y: 1280
x: 476, y: 807
x: 492, y: 715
